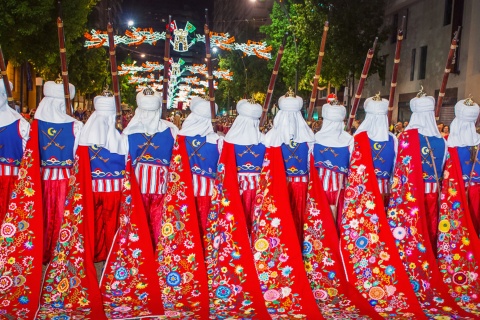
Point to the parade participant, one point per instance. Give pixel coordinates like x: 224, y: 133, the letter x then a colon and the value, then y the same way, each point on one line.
x: 464, y: 138
x: 292, y: 133
x: 108, y: 152
x: 383, y: 143
x: 203, y: 147
x: 150, y: 143
x: 331, y: 153
x: 247, y: 139
x: 433, y: 150
x: 58, y: 135
x: 14, y: 131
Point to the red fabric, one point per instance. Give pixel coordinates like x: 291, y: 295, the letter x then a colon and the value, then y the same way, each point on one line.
x: 368, y: 248
x: 431, y: 214
x: 458, y: 245
x: 70, y: 287
x: 21, y: 238
x: 248, y: 203
x: 107, y: 209
x: 153, y: 204
x: 233, y: 282
x: 332, y: 201
x: 335, y: 297
x: 182, y: 273
x: 278, y: 259
x: 474, y: 206
x: 54, y: 195
x: 127, y: 284
x: 203, y: 204
x: 298, y: 203
x: 7, y: 184
x: 409, y: 225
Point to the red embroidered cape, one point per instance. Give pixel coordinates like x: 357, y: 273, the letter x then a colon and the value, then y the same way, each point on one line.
x: 407, y: 220
x: 182, y: 273
x: 368, y: 248
x: 458, y: 247
x: 128, y: 283
x: 70, y: 287
x: 21, y: 238
x: 336, y: 298
x: 278, y: 258
x: 233, y: 283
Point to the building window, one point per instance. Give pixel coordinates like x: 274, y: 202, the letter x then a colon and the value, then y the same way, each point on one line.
x: 447, y: 14
x: 412, y: 64
x: 423, y: 63
x: 393, y: 36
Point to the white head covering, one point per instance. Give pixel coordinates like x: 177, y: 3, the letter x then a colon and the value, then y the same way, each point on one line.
x: 332, y: 134
x: 462, y: 129
x: 423, y: 116
x: 100, y: 128
x: 245, y: 129
x: 376, y: 120
x: 199, y: 121
x: 52, y: 107
x: 147, y: 118
x: 7, y: 114
x: 289, y: 123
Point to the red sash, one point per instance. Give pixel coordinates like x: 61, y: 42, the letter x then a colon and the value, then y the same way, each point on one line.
x: 278, y: 258
x: 128, y: 283
x: 335, y: 297
x: 21, y: 239
x: 458, y: 246
x: 70, y: 286
x: 182, y: 273
x: 233, y: 282
x: 407, y: 220
x: 368, y: 248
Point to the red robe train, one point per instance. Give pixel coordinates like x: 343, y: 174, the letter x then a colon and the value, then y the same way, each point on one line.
x: 182, y: 273
x: 21, y: 239
x: 336, y: 298
x: 128, y: 283
x: 233, y: 283
x: 368, y: 248
x: 407, y: 220
x: 278, y: 259
x: 458, y: 247
x: 70, y: 287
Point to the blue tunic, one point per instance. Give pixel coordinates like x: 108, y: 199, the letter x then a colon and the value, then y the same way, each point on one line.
x: 438, y: 150
x: 56, y: 144
x: 466, y: 155
x: 295, y: 158
x: 203, y: 156
x: 151, y: 149
x: 105, y: 164
x: 11, y: 149
x: 249, y: 158
x: 383, y: 154
x: 331, y: 158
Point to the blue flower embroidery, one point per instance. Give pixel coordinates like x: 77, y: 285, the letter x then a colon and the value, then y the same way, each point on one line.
x: 77, y: 209
x: 415, y: 285
x: 361, y: 242
x: 389, y: 270
x: 57, y: 304
x: 307, y: 247
x: 23, y: 300
x: 173, y: 279
x: 331, y: 275
x: 286, y: 271
x: 223, y: 292
x: 121, y: 273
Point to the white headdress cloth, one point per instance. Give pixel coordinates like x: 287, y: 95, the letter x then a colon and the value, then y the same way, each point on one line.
x: 245, y: 129
x: 423, y: 116
x: 376, y: 120
x: 52, y: 107
x: 199, y: 121
x: 332, y: 134
x: 462, y: 129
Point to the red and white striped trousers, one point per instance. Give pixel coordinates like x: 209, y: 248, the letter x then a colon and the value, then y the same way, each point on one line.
x: 152, y: 179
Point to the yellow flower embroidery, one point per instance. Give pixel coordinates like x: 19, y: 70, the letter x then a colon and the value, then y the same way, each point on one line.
x: 409, y: 197
x: 465, y: 241
x: 29, y: 192
x: 444, y: 226
x: 141, y: 285
x: 261, y: 245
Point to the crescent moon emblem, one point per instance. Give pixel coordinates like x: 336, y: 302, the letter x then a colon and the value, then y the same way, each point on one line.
x: 95, y: 147
x: 376, y: 146
x: 292, y: 144
x: 51, y: 132
x: 195, y: 143
x: 425, y: 150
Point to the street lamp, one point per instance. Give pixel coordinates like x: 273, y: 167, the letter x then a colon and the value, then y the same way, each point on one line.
x: 214, y: 50
x: 130, y: 23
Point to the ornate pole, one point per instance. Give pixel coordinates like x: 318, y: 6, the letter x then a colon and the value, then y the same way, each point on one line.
x: 63, y: 60
x: 8, y: 90
x: 396, y: 62
x: 211, y: 89
x: 166, y: 68
x: 313, y: 97
x: 273, y: 78
x: 448, y: 68
x: 113, y: 69
x: 361, y: 83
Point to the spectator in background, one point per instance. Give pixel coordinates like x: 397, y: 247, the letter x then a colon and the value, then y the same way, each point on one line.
x: 440, y: 126
x: 17, y: 107
x: 445, y: 132
x: 399, y: 128
x: 405, y: 124
x: 25, y: 114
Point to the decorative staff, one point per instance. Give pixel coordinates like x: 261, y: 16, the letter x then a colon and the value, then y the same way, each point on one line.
x: 361, y: 83
x: 166, y: 68
x: 8, y: 90
x: 113, y: 69
x: 448, y: 68
x: 211, y: 89
x: 396, y: 62
x: 321, y: 53
x: 63, y: 60
x: 273, y: 78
